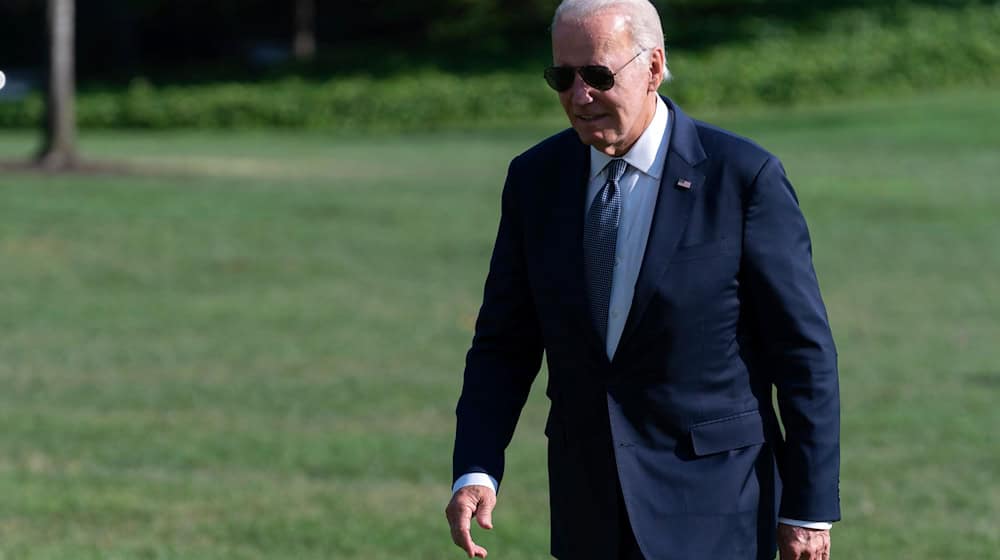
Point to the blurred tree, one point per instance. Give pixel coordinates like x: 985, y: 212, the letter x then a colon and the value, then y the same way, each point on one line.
x: 304, y: 44
x: 59, y: 148
x: 215, y: 40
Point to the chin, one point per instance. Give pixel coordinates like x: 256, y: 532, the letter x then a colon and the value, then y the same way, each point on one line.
x: 599, y: 139
x: 602, y: 142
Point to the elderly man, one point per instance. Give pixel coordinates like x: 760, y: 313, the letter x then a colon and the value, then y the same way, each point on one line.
x: 664, y: 269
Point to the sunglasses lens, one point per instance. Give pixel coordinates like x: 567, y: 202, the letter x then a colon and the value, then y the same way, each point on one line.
x: 560, y: 78
x: 598, y: 77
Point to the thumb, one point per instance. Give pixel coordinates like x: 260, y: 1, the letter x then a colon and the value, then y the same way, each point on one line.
x: 484, y: 513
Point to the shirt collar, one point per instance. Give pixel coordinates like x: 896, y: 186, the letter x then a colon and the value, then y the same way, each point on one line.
x: 648, y: 154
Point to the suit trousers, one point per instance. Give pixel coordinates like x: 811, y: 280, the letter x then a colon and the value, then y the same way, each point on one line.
x: 628, y: 548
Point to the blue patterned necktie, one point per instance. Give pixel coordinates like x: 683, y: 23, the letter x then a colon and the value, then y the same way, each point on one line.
x: 600, y: 234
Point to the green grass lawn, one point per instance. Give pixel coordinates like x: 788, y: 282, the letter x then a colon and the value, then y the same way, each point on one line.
x: 253, y: 350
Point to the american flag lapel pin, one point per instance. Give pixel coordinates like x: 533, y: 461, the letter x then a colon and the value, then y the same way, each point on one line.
x: 684, y: 184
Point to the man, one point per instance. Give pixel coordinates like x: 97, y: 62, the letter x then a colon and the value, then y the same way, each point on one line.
x: 664, y: 268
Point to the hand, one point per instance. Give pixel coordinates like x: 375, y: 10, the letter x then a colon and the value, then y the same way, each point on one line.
x: 799, y: 543
x: 468, y: 501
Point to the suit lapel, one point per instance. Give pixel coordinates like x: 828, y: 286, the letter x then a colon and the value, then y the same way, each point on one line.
x: 566, y: 229
x: 680, y: 186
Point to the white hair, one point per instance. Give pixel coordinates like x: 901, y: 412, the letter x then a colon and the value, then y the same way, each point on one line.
x: 641, y: 19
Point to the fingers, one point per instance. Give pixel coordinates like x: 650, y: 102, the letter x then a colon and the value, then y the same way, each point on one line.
x: 798, y: 543
x: 460, y: 530
x: 469, y: 501
x: 484, y: 515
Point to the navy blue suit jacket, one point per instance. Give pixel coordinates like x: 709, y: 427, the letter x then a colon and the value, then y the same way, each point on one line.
x: 681, y: 420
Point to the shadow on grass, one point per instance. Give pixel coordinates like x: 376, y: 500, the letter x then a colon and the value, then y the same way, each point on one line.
x: 99, y: 168
x: 84, y: 167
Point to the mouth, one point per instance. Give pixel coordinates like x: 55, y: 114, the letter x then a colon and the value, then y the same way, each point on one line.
x: 590, y: 118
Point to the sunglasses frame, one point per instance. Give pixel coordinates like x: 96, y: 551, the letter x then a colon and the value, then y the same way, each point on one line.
x: 552, y: 75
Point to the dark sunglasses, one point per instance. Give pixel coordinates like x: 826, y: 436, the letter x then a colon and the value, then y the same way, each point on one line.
x: 561, y: 78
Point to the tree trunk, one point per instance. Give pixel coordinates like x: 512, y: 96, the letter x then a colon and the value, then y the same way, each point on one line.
x: 304, y: 44
x: 59, y: 148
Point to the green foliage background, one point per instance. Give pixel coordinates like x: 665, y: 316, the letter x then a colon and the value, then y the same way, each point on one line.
x: 853, y: 54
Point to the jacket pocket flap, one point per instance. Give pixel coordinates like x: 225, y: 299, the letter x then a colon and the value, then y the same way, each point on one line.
x: 725, y: 434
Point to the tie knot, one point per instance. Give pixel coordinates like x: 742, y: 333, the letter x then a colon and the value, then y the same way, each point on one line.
x: 616, y: 168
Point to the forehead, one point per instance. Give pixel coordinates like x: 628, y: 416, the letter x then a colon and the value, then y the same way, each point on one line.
x: 602, y: 38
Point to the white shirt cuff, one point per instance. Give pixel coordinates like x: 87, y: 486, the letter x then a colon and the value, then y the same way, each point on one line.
x: 476, y: 478
x: 820, y: 525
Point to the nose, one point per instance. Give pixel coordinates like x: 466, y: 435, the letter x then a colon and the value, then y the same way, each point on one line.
x: 581, y: 91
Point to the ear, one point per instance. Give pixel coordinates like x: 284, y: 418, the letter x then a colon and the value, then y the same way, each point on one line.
x: 657, y: 67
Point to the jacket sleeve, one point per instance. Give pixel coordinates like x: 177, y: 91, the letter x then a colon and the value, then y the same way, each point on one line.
x: 506, y: 351
x: 794, y: 345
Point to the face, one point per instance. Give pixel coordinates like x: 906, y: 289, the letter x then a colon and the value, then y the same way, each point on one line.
x: 611, y: 120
